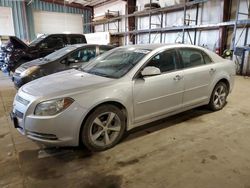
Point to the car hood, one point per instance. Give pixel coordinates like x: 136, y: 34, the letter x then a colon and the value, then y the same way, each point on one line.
x: 35, y: 62
x: 17, y: 43
x: 66, y: 82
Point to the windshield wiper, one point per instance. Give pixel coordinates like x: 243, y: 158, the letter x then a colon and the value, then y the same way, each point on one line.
x: 100, y: 74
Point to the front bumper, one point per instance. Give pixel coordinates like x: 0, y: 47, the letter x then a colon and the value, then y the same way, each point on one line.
x: 60, y: 130
x: 20, y: 81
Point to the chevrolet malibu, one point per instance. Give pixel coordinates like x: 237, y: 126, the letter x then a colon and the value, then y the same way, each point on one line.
x: 118, y: 91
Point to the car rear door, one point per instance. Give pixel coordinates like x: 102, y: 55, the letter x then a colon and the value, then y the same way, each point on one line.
x: 198, y: 74
x: 77, y: 39
x: 157, y: 95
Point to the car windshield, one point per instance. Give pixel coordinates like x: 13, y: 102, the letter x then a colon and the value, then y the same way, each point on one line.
x: 116, y: 63
x: 37, y: 40
x: 59, y: 53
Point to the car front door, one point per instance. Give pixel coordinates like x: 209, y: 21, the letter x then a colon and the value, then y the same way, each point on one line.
x: 50, y: 44
x: 160, y: 94
x: 198, y: 73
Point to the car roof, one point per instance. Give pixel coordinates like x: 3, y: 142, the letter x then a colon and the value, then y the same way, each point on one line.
x: 155, y: 46
x: 65, y: 34
x: 84, y: 44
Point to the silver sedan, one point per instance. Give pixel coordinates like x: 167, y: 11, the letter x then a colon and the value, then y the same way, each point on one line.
x: 118, y: 91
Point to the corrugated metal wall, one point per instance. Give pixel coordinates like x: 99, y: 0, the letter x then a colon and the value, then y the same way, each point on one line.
x: 23, y: 15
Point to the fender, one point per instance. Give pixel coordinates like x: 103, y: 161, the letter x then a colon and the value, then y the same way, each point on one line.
x: 222, y: 76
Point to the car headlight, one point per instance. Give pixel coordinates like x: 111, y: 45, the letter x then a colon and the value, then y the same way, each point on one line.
x: 52, y: 107
x: 29, y: 71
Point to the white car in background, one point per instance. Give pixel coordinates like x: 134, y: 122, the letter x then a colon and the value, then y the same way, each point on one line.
x: 120, y: 90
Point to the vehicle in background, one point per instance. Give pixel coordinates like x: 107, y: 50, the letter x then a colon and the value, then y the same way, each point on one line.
x: 3, y: 54
x: 72, y: 56
x: 122, y: 89
x: 2, y: 57
x: 18, y: 52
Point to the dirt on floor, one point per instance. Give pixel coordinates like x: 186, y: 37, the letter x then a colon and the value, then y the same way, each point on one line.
x: 197, y: 148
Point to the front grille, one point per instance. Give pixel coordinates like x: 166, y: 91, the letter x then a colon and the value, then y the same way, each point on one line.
x: 16, y: 74
x: 19, y: 114
x: 22, y: 100
x: 42, y: 135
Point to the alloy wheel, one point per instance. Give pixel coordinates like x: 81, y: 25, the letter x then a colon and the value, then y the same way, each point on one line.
x: 219, y: 98
x: 105, y: 129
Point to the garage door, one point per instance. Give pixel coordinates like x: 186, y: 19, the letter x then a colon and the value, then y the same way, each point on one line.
x: 6, y: 21
x: 53, y: 22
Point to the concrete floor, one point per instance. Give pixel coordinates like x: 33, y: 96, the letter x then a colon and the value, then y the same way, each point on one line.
x: 193, y: 149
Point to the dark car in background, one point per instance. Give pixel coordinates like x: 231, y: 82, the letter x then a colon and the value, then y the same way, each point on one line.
x: 18, y: 52
x: 72, y: 56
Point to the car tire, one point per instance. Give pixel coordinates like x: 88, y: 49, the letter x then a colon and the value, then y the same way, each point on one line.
x: 218, y: 97
x: 103, y: 128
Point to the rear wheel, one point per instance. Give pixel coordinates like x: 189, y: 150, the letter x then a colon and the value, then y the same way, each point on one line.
x: 104, y: 128
x: 218, y: 97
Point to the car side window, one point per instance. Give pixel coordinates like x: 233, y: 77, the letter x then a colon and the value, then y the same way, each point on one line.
x: 77, y: 40
x: 84, y: 55
x: 53, y: 42
x: 103, y: 49
x: 191, y: 57
x: 207, y: 59
x: 165, y: 61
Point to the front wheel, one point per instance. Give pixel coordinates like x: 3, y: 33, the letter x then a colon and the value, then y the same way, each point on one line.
x: 104, y: 128
x: 218, y: 97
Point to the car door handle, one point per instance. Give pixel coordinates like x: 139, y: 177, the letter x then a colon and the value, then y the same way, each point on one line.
x: 178, y: 77
x: 212, y: 70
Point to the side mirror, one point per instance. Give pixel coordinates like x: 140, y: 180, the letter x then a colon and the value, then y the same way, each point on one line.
x: 64, y: 61
x: 72, y: 60
x: 43, y: 46
x: 75, y: 67
x: 150, y: 71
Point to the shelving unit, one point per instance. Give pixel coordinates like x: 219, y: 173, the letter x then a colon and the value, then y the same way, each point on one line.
x: 103, y: 22
x: 185, y: 28
x: 236, y: 24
